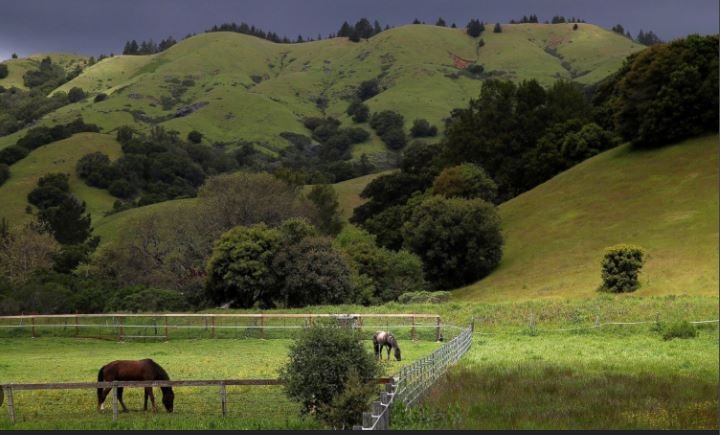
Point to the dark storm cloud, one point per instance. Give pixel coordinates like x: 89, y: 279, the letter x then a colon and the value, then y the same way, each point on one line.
x: 102, y: 26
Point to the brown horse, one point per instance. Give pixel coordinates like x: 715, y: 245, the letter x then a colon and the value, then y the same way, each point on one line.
x: 382, y: 339
x: 143, y: 370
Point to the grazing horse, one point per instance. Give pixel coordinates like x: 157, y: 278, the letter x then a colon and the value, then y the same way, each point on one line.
x: 143, y: 370
x: 382, y: 338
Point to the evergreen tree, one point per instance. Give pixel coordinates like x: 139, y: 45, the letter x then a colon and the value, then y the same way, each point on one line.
x: 474, y: 28
x: 363, y: 28
x: 440, y: 22
x: 67, y: 222
x: 498, y: 28
x: 345, y: 30
x: 376, y: 27
x: 416, y: 21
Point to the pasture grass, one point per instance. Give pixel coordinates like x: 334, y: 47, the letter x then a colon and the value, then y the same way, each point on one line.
x: 598, y: 380
x: 665, y: 200
x: 39, y: 360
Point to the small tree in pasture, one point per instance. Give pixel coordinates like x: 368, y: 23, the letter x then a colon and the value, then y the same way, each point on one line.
x: 620, y: 268
x: 327, y: 372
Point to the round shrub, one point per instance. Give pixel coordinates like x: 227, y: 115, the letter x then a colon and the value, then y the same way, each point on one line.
x: 100, y: 97
x: 465, y: 181
x: 76, y: 94
x: 339, y: 353
x: 620, y: 268
x: 683, y: 329
x: 195, y: 136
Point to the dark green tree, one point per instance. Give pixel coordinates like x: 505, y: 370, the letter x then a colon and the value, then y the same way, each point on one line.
x: 67, y: 221
x: 358, y: 111
x: 497, y: 28
x: 325, y: 199
x: 422, y: 128
x: 76, y: 94
x: 459, y: 240
x: 368, y: 89
x: 195, y: 136
x: 474, y: 28
x: 340, y: 353
x: 3, y: 70
x: 465, y: 181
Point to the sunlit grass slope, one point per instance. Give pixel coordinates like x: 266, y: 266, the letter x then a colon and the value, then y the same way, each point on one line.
x: 61, y: 156
x: 245, y: 88
x: 665, y: 200
x: 18, y: 67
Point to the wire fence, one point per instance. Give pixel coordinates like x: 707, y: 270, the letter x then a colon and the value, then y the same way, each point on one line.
x: 152, y: 327
x: 412, y: 381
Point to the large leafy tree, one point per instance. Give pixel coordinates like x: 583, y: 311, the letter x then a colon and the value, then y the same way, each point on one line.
x: 240, y: 270
x: 459, y: 240
x: 665, y: 93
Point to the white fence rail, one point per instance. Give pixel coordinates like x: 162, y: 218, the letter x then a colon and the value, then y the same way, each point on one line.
x: 414, y: 380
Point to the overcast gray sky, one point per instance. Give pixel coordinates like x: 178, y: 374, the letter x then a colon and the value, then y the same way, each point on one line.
x: 102, y: 26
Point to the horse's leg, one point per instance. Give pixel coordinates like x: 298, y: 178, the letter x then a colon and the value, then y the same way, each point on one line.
x: 375, y: 348
x: 103, y: 396
x: 120, y: 393
x: 146, y: 398
x: 388, y: 351
x: 152, y: 399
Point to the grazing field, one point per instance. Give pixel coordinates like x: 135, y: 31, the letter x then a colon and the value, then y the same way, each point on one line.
x: 665, y: 200
x: 47, y: 360
x: 622, y: 378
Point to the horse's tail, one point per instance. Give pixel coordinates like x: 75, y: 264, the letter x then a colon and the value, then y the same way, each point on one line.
x: 100, y: 379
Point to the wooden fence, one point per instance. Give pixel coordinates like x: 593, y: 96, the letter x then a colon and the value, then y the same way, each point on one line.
x: 8, y: 389
x: 165, y: 326
x: 412, y: 381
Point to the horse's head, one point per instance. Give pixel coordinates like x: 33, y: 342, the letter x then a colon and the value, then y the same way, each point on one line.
x: 168, y: 398
x: 397, y: 353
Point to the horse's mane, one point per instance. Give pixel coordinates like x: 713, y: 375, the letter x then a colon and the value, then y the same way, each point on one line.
x: 162, y: 374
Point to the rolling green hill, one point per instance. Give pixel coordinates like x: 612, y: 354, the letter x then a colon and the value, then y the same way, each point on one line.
x: 18, y: 67
x: 61, y: 156
x: 665, y: 200
x: 242, y: 87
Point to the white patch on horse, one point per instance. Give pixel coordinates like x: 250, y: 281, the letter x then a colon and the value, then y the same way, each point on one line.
x: 102, y: 407
x: 381, y: 336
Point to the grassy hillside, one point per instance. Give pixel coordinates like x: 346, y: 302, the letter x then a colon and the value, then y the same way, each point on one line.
x: 251, y: 89
x: 61, y: 156
x: 665, y: 200
x: 18, y: 67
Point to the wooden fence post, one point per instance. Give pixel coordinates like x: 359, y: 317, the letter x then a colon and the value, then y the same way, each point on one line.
x: 11, y: 405
x: 412, y: 333
x: 77, y: 326
x: 167, y: 331
x: 360, y: 326
x: 115, y: 400
x: 212, y: 328
x: 223, y: 399
x: 32, y: 320
x: 262, y: 329
x: 437, y: 329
